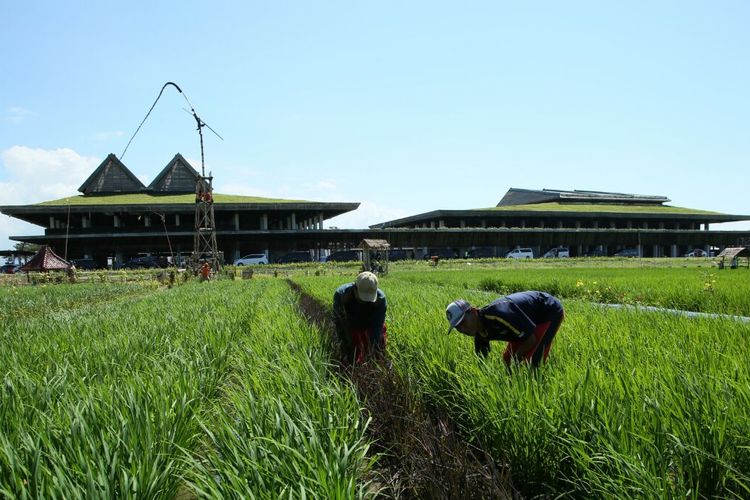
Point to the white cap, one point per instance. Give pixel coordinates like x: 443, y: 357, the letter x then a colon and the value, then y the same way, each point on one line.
x: 366, y: 287
x: 455, y: 312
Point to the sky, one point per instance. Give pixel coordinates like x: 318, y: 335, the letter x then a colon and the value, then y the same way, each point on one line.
x: 403, y: 106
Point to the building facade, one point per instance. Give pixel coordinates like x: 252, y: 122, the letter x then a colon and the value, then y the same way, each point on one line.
x: 589, y: 222
x: 117, y: 217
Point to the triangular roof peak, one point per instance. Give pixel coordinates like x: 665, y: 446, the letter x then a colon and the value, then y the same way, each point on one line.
x: 45, y: 260
x: 373, y: 243
x: 516, y: 196
x: 177, y: 177
x: 111, y: 177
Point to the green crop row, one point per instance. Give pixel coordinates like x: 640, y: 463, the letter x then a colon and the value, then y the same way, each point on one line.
x: 288, y: 427
x: 630, y: 405
x: 211, y: 389
x: 19, y: 303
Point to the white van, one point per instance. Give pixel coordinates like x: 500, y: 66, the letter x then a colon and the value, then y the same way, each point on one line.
x: 253, y: 258
x: 557, y: 252
x: 520, y: 253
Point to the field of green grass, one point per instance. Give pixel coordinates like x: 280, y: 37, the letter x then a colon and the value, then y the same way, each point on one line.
x: 225, y: 389
x: 631, y: 404
x: 220, y: 392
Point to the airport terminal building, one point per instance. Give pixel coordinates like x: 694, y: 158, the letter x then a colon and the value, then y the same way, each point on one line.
x: 116, y: 217
x: 588, y: 222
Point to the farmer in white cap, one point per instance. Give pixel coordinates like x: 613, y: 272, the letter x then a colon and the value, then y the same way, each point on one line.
x: 528, y: 321
x: 359, y: 313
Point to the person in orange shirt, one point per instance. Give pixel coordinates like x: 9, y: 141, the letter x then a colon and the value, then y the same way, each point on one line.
x: 205, y: 272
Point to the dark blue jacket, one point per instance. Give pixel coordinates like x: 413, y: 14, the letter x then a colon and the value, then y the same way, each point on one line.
x: 350, y: 313
x: 515, y: 316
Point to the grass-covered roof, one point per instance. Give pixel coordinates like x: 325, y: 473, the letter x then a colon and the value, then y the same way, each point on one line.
x: 625, y: 208
x: 151, y: 199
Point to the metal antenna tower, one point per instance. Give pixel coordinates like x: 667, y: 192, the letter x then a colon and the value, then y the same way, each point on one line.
x: 204, y: 239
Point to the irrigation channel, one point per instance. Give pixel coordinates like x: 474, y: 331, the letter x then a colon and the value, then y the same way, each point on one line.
x: 677, y: 312
x: 420, y: 452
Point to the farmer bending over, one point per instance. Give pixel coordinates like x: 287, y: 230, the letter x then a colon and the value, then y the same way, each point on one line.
x: 359, y: 313
x: 528, y: 321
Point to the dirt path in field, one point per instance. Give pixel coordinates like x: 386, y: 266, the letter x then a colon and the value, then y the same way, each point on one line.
x: 421, y: 454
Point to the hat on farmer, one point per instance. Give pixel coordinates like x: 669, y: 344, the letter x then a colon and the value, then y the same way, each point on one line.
x: 455, y: 312
x: 366, y: 287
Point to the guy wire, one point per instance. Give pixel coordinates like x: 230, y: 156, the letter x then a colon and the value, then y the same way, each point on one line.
x: 151, y: 109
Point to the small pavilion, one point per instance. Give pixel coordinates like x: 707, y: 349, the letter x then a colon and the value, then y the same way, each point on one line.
x: 375, y: 255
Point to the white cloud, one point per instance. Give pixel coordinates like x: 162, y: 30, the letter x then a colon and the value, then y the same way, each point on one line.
x: 14, y: 227
x: 17, y: 114
x: 35, y: 175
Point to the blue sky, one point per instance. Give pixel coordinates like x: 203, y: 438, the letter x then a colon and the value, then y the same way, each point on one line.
x: 405, y: 107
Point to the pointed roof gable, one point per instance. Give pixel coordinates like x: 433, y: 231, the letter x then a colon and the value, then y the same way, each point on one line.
x: 177, y: 177
x: 46, y: 260
x: 112, y: 176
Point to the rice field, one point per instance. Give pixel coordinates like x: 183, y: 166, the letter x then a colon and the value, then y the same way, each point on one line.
x: 226, y: 390
x: 218, y: 394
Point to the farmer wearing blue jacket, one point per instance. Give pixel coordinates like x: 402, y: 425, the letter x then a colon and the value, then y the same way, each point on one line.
x: 359, y: 313
x: 528, y: 321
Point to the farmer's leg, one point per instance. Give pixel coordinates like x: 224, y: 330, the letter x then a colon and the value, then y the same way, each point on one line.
x: 361, y: 343
x: 514, y: 346
x: 548, y: 336
x: 510, y: 350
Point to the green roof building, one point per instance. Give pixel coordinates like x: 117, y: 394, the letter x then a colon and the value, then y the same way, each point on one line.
x: 118, y: 217
x: 590, y: 222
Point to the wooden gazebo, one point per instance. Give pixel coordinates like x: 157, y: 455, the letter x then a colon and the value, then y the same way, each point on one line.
x: 732, y: 254
x: 375, y: 255
x: 46, y: 260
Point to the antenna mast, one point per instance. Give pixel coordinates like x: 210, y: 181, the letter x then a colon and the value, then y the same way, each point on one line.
x: 204, y: 240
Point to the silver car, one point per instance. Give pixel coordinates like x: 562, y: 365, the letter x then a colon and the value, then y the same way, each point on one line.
x: 251, y: 259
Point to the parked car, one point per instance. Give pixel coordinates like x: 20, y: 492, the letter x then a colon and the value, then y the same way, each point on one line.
x: 84, y: 264
x: 597, y: 252
x: 145, y: 262
x: 627, y: 252
x: 480, y: 253
x: 251, y: 259
x: 294, y: 257
x: 344, y: 256
x: 442, y: 253
x: 697, y: 252
x: 9, y: 268
x: 557, y: 253
x: 398, y: 254
x: 520, y: 253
